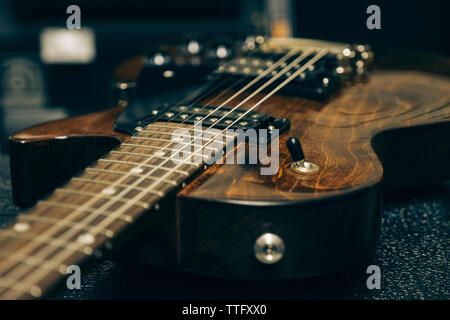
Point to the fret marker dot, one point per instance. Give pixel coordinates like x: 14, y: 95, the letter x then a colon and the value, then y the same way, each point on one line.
x: 157, y: 207
x: 35, y: 291
x: 109, y: 233
x: 109, y: 191
x: 86, y: 238
x: 62, y: 269
x: 21, y: 227
x: 137, y: 170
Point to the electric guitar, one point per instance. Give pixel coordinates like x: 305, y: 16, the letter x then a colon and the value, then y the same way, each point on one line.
x: 316, y: 136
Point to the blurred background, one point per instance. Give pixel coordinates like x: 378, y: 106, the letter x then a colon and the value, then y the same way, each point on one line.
x: 47, y: 74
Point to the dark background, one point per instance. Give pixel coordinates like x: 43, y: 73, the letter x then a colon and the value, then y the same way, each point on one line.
x: 419, y: 25
x: 413, y: 249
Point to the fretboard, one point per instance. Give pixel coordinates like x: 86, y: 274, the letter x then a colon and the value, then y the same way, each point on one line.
x: 83, y: 218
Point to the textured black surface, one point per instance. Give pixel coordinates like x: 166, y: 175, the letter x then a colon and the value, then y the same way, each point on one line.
x: 412, y: 253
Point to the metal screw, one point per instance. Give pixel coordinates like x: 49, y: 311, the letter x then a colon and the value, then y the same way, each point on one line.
x: 269, y: 248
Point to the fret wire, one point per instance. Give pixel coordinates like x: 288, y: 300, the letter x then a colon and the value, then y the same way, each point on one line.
x: 159, y: 148
x: 19, y: 286
x: 62, y: 244
x: 112, y: 171
x: 303, y: 56
x: 61, y: 222
x: 33, y: 261
x: 185, y: 173
x: 104, y: 182
x: 136, y: 154
x: 150, y: 156
x: 63, y: 205
x: 174, y: 183
x: 177, y: 142
x: 173, y: 133
x: 147, y: 146
x: 35, y: 286
x: 135, y: 182
x: 167, y: 125
x: 93, y: 194
x: 153, y: 125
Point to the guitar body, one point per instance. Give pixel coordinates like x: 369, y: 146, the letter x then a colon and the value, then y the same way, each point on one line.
x: 387, y: 133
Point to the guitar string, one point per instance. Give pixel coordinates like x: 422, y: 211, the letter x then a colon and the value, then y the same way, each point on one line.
x: 254, y: 81
x: 230, y: 111
x: 289, y: 54
x: 309, y: 63
x: 202, y: 95
x: 242, y: 90
x: 199, y: 95
x: 317, y: 57
x: 259, y: 77
x: 284, y: 83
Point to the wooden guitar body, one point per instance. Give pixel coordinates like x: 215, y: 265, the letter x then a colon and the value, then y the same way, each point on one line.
x: 389, y: 132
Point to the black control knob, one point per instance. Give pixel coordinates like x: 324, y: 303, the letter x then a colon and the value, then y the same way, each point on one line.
x: 295, y: 149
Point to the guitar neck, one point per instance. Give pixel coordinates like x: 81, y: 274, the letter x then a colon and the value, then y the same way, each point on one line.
x: 84, y: 217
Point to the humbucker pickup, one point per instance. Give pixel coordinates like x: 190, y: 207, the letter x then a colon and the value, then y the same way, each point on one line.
x: 222, y: 118
x: 317, y: 82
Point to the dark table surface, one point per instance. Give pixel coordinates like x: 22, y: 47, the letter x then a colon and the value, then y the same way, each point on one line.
x: 412, y: 253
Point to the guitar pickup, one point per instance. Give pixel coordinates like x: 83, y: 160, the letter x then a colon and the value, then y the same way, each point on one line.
x: 222, y: 118
x: 317, y: 82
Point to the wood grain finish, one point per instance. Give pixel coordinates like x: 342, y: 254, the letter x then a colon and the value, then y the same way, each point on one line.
x: 329, y: 221
x: 46, y: 155
x: 94, y: 124
x: 337, y: 136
